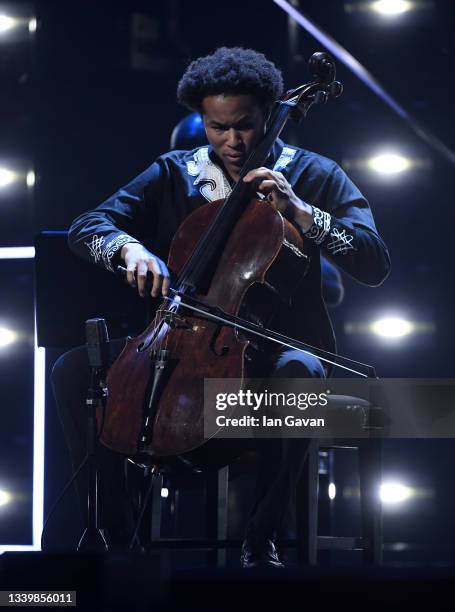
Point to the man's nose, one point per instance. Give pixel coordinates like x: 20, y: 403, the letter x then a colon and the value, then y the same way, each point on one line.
x: 233, y: 138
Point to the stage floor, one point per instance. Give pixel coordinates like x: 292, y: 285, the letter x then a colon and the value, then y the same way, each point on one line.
x: 140, y: 582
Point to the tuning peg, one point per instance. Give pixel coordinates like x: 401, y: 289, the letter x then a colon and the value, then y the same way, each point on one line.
x: 335, y: 89
x: 322, y: 66
x: 321, y: 97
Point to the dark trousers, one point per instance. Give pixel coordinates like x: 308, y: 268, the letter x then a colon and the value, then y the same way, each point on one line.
x: 280, y: 464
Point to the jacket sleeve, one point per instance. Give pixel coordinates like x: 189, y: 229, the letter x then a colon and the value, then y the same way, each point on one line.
x: 344, y: 228
x: 98, y: 235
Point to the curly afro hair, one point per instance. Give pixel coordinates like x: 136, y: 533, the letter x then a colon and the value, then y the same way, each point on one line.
x: 230, y: 71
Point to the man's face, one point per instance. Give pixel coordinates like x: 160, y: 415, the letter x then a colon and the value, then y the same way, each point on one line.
x: 234, y: 125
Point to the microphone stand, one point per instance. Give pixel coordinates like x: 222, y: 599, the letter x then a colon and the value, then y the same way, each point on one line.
x: 92, y: 539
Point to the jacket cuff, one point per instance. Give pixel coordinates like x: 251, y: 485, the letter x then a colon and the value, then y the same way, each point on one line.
x: 321, y: 226
x: 327, y: 231
x: 103, y: 249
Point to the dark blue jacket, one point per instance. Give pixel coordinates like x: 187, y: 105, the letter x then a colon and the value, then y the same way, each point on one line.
x: 151, y: 207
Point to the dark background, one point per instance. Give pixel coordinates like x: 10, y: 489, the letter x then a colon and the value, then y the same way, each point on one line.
x: 88, y: 102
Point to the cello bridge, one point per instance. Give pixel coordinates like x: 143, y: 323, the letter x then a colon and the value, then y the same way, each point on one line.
x: 175, y: 321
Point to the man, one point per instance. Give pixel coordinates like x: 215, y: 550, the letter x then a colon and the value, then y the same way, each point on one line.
x: 233, y: 90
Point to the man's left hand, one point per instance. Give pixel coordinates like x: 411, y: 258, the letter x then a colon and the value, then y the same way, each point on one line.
x: 281, y: 196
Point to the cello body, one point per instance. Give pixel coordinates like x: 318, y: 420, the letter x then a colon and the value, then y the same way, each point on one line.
x: 199, y: 348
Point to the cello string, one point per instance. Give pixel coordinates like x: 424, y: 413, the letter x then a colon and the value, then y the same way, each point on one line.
x: 169, y: 316
x: 159, y: 330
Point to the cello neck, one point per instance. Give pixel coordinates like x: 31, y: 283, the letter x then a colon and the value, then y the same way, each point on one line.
x: 214, y: 239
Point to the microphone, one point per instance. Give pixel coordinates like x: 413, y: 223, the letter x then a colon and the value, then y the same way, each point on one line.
x: 97, y: 342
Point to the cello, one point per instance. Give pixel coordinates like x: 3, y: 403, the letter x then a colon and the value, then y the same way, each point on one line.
x: 222, y: 270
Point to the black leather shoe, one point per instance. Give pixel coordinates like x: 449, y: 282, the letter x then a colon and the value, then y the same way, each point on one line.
x: 259, y: 554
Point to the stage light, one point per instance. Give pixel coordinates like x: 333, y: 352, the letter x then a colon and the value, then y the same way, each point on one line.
x: 389, y: 163
x: 30, y: 178
x: 17, y: 252
x: 390, y: 8
x: 5, y: 497
x: 164, y: 492
x: 394, y: 492
x: 39, y: 393
x: 16, y: 176
x: 392, y: 327
x: 7, y: 336
x: 332, y: 490
x: 17, y: 28
x: 7, y: 23
x: 39, y: 403
x: 7, y: 177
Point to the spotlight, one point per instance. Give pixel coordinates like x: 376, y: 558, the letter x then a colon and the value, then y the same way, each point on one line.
x: 17, y: 28
x: 389, y: 163
x: 16, y: 175
x: 30, y: 178
x: 390, y: 8
x: 5, y: 497
x: 332, y: 490
x: 394, y: 492
x: 6, y: 23
x: 7, y: 177
x: 392, y: 327
x: 7, y: 336
x: 17, y: 252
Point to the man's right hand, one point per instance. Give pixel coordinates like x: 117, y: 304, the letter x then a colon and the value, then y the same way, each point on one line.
x: 138, y: 263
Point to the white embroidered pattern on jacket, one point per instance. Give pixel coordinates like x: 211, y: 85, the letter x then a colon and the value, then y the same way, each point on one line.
x: 105, y: 252
x: 340, y: 242
x: 212, y: 183
x: 112, y: 247
x: 320, y: 227
x: 95, y: 247
x: 286, y: 156
x: 294, y: 249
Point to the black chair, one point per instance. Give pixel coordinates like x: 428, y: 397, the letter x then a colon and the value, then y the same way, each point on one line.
x: 370, y: 471
x: 149, y: 479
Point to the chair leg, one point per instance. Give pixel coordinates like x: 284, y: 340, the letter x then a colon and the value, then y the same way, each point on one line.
x: 175, y: 502
x: 155, y: 531
x: 307, y: 507
x: 370, y: 472
x: 217, y: 511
